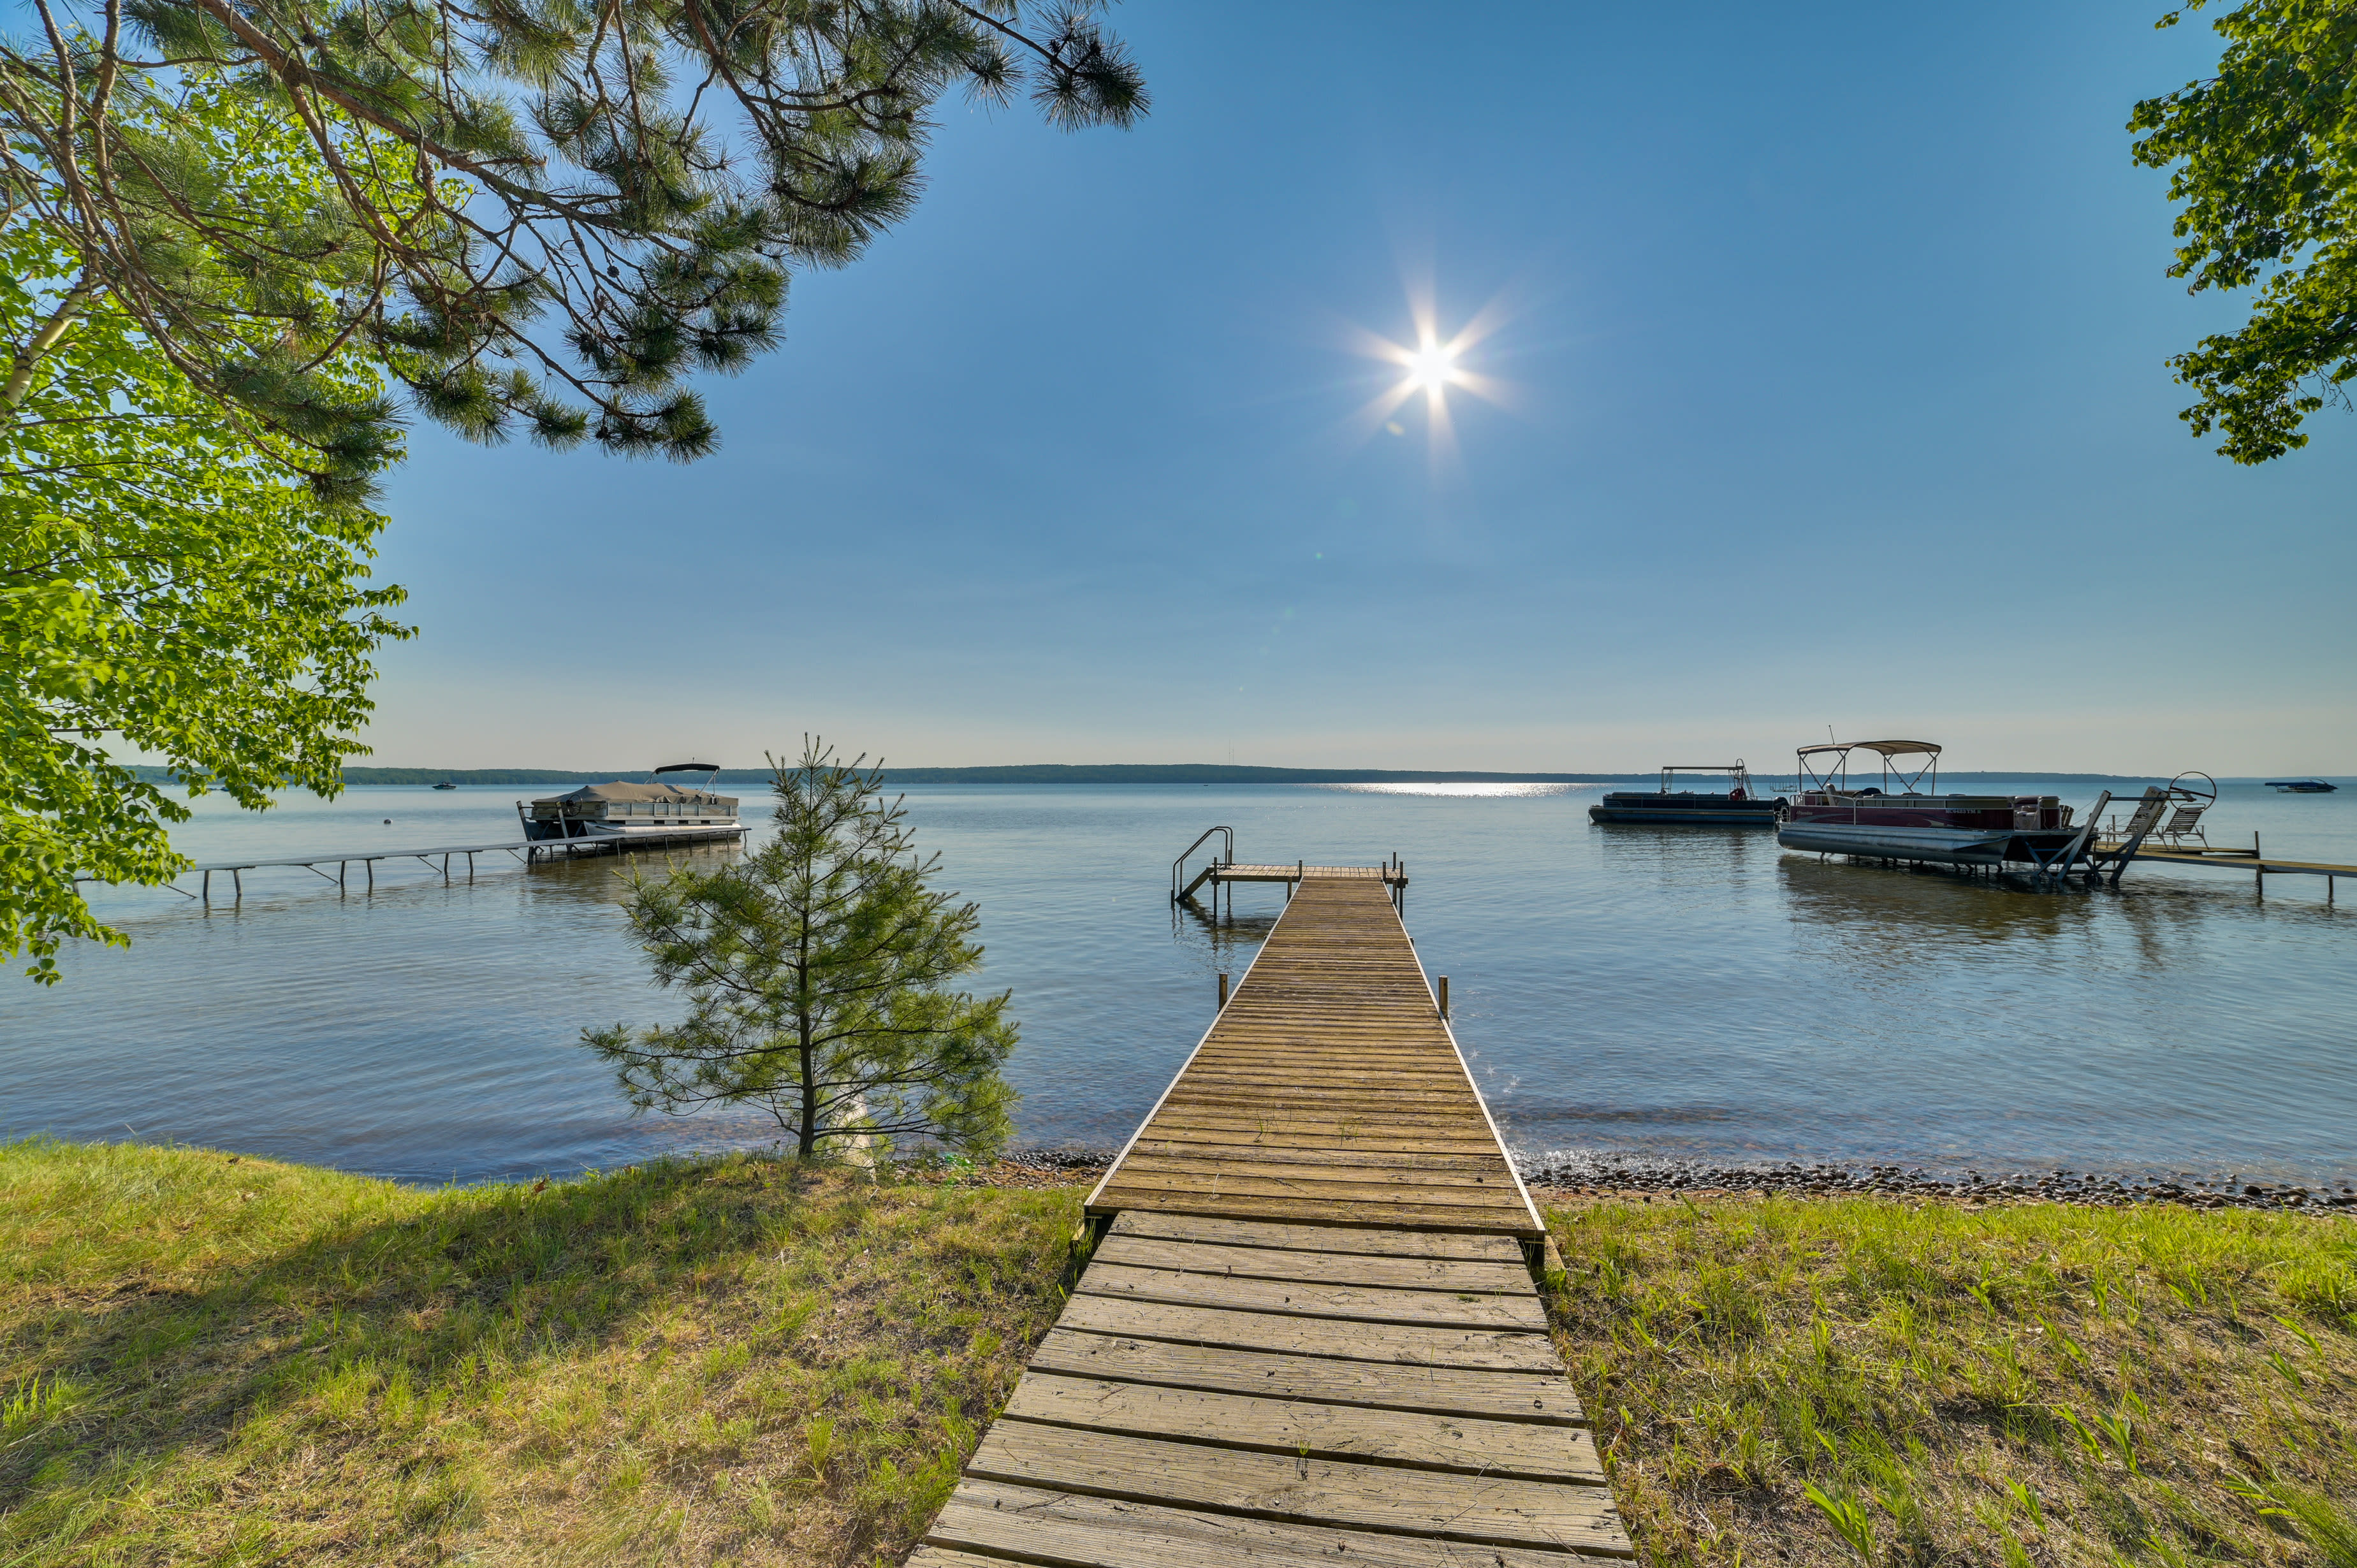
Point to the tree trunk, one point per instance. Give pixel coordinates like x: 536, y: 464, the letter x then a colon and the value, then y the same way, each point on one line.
x: 810, y: 1091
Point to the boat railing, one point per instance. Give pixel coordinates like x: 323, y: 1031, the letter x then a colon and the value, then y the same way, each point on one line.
x: 2041, y: 813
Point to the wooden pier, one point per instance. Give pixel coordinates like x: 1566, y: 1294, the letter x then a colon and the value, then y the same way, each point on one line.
x: 1307, y: 1331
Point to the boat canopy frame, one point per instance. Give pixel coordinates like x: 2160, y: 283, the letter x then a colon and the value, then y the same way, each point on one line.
x: 1740, y: 775
x: 1834, y: 776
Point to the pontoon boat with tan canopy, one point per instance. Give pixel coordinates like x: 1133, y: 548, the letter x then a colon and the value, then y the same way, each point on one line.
x: 621, y: 810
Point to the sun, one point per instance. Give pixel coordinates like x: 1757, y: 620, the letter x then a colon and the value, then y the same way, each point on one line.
x: 1433, y: 366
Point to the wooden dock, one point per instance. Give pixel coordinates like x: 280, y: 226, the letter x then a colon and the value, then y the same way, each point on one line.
x: 1307, y: 1331
x: 2261, y: 866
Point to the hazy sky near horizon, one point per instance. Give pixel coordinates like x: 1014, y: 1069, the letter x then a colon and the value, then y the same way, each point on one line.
x: 1830, y: 347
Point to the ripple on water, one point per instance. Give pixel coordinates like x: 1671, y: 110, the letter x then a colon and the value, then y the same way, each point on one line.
x: 1657, y: 993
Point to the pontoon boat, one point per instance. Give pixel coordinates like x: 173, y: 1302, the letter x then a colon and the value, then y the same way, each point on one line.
x: 1738, y: 805
x: 1903, y: 820
x: 656, y: 809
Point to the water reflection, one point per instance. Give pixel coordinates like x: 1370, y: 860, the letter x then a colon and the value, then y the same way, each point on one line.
x: 1904, y: 915
x: 1230, y: 940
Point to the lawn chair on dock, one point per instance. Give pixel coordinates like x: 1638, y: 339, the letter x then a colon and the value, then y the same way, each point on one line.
x: 2185, y: 822
x: 2190, y: 793
x: 2146, y: 817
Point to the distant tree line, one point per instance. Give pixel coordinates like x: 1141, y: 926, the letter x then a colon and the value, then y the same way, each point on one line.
x: 1117, y: 773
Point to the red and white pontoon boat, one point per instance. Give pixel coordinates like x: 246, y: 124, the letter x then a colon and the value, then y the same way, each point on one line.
x: 1906, y: 817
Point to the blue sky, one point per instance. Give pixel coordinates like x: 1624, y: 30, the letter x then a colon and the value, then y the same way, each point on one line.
x: 1834, y: 342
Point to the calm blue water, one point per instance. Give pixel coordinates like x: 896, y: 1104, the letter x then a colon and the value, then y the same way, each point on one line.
x: 1657, y: 991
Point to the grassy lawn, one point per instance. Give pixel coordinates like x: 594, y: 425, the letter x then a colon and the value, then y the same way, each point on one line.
x: 1825, y: 1381
x: 222, y: 1360
x: 212, y: 1360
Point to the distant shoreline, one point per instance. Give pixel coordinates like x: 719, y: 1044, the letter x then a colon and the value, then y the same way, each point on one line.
x: 1118, y: 773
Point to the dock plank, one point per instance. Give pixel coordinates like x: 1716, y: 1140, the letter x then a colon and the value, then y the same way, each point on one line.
x: 1312, y: 1176
x: 1278, y: 1154
x: 1315, y: 1267
x: 1472, y: 1444
x: 1543, y: 1398
x: 1319, y: 1210
x: 1413, y: 1345
x: 1293, y: 1298
x: 1316, y: 1238
x: 1029, y: 1524
x: 1300, y: 1489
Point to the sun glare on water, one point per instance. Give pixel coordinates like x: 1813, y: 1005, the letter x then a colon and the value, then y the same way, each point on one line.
x: 1466, y: 789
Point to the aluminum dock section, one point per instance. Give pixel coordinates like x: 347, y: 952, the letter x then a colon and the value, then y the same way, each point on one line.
x: 528, y: 851
x: 2261, y: 866
x: 1308, y: 1332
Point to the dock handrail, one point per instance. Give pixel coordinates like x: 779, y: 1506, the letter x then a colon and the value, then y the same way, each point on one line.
x: 1179, y: 867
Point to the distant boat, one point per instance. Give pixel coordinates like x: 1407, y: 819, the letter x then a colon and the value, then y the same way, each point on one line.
x: 2301, y: 786
x: 1737, y: 806
x: 446, y: 784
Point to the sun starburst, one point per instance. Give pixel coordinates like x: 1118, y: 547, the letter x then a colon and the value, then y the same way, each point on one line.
x: 1432, y: 365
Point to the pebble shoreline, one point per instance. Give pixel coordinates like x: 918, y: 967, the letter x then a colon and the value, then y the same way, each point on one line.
x: 1608, y: 1177
x: 1598, y: 1176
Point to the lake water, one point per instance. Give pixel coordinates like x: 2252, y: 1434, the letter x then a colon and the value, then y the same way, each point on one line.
x: 1662, y: 993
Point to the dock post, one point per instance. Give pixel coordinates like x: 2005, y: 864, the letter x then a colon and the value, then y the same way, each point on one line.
x: 208, y: 895
x: 1444, y: 996
x: 445, y: 866
x: 1224, y: 991
x: 342, y: 867
x: 237, y: 880
x: 470, y: 865
x: 2261, y: 873
x: 371, y: 874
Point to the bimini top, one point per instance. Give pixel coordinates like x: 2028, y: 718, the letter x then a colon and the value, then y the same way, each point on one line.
x: 620, y: 791
x: 1887, y: 747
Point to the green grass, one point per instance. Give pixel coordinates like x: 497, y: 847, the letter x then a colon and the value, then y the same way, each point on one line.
x: 208, y: 1359
x: 211, y: 1359
x: 1829, y: 1382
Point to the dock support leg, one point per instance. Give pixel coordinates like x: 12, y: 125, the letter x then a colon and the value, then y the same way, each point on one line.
x: 1444, y: 996
x: 237, y: 880
x: 371, y: 874
x: 1224, y: 991
x: 342, y: 867
x: 208, y: 895
x: 470, y: 865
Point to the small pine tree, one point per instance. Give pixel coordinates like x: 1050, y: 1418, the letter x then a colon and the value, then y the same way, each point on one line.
x: 816, y: 971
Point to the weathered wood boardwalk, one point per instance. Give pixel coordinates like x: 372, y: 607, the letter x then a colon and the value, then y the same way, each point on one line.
x: 1309, y: 1332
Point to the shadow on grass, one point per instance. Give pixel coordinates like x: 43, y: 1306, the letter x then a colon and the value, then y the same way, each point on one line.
x: 503, y: 1275
x: 392, y: 1361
